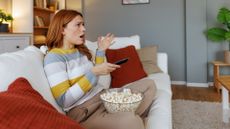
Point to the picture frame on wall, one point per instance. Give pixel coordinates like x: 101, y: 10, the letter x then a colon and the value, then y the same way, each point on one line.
x: 128, y: 2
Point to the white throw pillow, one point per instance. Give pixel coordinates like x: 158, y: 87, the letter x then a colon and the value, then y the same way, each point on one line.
x: 26, y: 63
x: 91, y: 46
x: 121, y: 42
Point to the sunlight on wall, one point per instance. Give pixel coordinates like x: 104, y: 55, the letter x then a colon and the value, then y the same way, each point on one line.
x: 5, y: 5
x: 23, y: 16
x: 61, y: 4
x: 74, y: 4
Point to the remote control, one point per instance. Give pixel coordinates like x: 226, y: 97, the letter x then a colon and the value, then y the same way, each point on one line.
x: 119, y: 62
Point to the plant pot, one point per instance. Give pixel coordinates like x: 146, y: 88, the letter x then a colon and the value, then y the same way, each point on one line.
x: 4, y: 27
x: 227, y: 56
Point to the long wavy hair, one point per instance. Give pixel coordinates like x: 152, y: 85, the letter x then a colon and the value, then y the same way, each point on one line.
x: 59, y: 22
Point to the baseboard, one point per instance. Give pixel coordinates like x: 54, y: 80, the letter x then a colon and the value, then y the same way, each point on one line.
x: 178, y: 82
x: 192, y: 84
x: 198, y: 84
x: 210, y: 83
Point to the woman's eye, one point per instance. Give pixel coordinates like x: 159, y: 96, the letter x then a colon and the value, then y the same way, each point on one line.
x: 80, y: 24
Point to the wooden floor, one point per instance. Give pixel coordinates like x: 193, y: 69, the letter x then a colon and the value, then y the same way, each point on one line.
x: 196, y: 93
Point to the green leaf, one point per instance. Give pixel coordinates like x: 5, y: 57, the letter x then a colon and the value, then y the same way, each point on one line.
x: 224, y: 16
x: 5, y: 17
x: 216, y: 34
x: 228, y: 26
x: 227, y: 36
x: 228, y: 17
x: 9, y: 17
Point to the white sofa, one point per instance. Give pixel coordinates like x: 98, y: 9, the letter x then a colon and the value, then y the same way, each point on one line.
x: 28, y: 63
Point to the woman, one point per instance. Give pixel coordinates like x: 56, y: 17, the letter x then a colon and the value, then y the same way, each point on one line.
x: 73, y: 77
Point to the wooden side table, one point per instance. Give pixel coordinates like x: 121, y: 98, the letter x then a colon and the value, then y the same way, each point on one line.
x: 225, y: 82
x: 216, y: 66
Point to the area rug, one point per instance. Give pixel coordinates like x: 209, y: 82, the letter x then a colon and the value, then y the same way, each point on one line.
x: 188, y: 114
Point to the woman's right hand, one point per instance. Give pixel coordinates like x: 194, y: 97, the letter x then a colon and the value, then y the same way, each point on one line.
x: 104, y: 68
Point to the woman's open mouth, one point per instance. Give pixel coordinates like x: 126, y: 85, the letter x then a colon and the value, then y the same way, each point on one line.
x: 82, y: 37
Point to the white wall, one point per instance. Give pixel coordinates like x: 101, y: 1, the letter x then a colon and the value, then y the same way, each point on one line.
x: 23, y: 16
x: 5, y: 5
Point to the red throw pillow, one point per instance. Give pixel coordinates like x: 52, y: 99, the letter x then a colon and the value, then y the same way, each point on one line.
x: 130, y: 71
x: 24, y: 108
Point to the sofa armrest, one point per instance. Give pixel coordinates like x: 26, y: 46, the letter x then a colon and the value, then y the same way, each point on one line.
x: 162, y: 61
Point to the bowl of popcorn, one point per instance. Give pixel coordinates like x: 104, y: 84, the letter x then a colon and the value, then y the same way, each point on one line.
x: 121, y: 100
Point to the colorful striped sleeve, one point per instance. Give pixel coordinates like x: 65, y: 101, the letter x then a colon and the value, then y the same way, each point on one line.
x: 66, y: 90
x: 100, y: 56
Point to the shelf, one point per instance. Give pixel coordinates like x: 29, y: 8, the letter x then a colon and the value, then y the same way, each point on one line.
x: 44, y: 9
x: 42, y: 18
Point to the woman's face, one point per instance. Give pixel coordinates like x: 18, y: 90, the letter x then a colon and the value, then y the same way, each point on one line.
x: 74, y: 32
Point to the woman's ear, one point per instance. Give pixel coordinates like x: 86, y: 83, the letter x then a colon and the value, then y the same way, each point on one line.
x: 63, y: 32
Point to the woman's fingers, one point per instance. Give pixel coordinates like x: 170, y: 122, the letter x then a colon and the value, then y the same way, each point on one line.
x: 110, y: 67
x: 99, y: 38
x: 104, y: 43
x: 113, y: 65
x: 109, y: 36
x: 104, y: 68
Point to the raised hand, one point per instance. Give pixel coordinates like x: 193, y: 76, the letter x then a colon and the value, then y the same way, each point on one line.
x: 104, y: 43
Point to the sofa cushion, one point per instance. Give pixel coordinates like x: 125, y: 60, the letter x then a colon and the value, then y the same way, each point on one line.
x: 130, y: 71
x: 92, y: 46
x: 148, y: 57
x: 22, y: 107
x: 26, y: 63
x: 119, y: 42
x: 162, y: 81
x: 160, y: 116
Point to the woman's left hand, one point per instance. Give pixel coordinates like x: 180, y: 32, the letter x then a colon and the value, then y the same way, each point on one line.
x: 104, y: 43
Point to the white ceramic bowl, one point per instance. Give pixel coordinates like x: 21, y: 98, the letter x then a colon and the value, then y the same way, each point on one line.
x: 121, y: 100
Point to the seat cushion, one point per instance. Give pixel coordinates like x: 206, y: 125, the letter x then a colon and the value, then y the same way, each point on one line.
x: 160, y: 116
x: 22, y: 108
x: 130, y: 71
x: 162, y: 81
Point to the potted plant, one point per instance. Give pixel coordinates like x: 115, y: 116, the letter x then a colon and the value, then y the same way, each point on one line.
x: 221, y: 33
x: 4, y: 17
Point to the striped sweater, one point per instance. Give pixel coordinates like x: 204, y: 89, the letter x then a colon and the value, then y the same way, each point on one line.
x: 70, y: 77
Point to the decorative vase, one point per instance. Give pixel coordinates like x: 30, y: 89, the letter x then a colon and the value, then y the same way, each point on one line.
x: 227, y: 56
x: 4, y: 27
